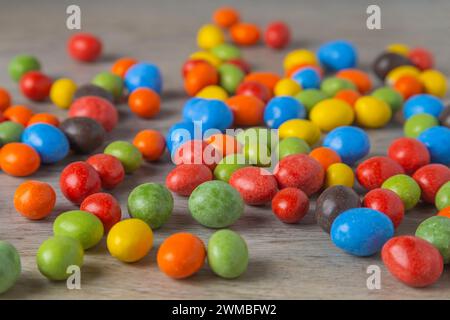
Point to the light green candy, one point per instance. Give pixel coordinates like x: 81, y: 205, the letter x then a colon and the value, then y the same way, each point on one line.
x: 310, y: 97
x: 226, y: 51
x: 442, y: 198
x: 230, y: 77
x: 436, y: 230
x: 110, y: 82
x: 21, y: 64
x: 292, y: 145
x: 405, y: 187
x: 10, y: 132
x: 256, y: 135
x: 228, y: 165
x: 127, y: 153
x: 418, y: 123
x: 10, y: 266
x: 333, y: 85
x: 392, y: 97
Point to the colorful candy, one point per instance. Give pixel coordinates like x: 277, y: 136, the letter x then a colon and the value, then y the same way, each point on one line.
x: 405, y: 187
x: 143, y: 74
x: 105, y: 207
x: 281, y: 109
x: 84, y: 134
x: 423, y: 103
x: 247, y: 110
x: 387, y: 202
x: 225, y: 17
x: 5, y: 99
x: 34, y: 199
x: 10, y: 132
x: 44, y: 117
x: 290, y: 205
x: 97, y: 108
x: 338, y: 55
x: 84, y: 47
x: 392, y: 97
x: 10, y: 268
x: 329, y: 114
x: 277, y: 35
x: 436, y: 230
x: 257, y: 186
x: 372, y: 112
x: 434, y: 82
x: 18, y: 113
x: 35, y: 85
x: 435, y: 139
x: 374, y: 171
x: 79, y: 180
x: 184, y: 178
x: 228, y: 165
x: 121, y: 66
x: 21, y: 64
x: 387, y: 61
x: 92, y: 90
x: 209, y: 36
x: 144, y: 102
x: 300, y: 128
x: 127, y: 153
x: 230, y: 76
x: 442, y: 199
x: 292, y: 145
x: 19, y: 159
x: 151, y: 144
x: 351, y: 143
x: 245, y: 34
x: 109, y: 169
x: 430, y: 178
x: 411, y: 154
x: 339, y: 174
x: 325, y: 156
x: 418, y: 123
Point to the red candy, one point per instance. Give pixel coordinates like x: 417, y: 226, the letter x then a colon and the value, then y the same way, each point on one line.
x: 277, y: 35
x: 84, y: 47
x: 257, y: 186
x: 300, y: 171
x: 189, y: 65
x: 255, y: 89
x: 109, y: 168
x: 410, y: 153
x: 374, y: 171
x: 183, y: 179
x: 242, y: 64
x: 79, y: 180
x: 197, y: 152
x: 430, y: 178
x: 421, y: 58
x: 35, y: 85
x: 290, y: 205
x: 97, y: 108
x: 386, y: 201
x: 412, y: 260
x: 105, y: 207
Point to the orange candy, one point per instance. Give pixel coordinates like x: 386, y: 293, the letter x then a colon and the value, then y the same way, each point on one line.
x: 444, y: 212
x: 5, y: 99
x: 181, y: 255
x: 19, y: 114
x: 150, y: 143
x: 325, y: 156
x: 44, y: 118
x: 225, y: 17
x: 200, y: 76
x: 247, y: 110
x: 245, y: 34
x: 348, y: 95
x: 34, y: 199
x: 267, y: 79
x: 408, y: 86
x: 359, y: 78
x: 19, y: 159
x: 226, y: 144
x: 121, y: 66
x: 144, y: 102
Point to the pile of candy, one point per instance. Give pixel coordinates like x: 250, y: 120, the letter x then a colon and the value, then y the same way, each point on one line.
x: 319, y: 92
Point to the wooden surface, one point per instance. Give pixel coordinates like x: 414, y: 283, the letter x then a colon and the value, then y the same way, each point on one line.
x: 286, y: 261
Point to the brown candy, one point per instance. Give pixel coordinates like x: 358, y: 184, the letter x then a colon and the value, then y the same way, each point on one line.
x: 387, y: 61
x: 84, y: 134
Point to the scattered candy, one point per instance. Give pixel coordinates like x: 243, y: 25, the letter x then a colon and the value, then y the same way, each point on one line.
x: 21, y: 64
x: 105, y: 207
x: 290, y: 205
x: 435, y: 139
x: 150, y: 143
x: 387, y: 202
x: 351, y: 143
x: 183, y: 179
x: 144, y: 102
x: 97, y: 108
x: 436, y: 230
x: 442, y: 199
x: 410, y: 153
x: 78, y: 180
x: 84, y: 47
x: 277, y: 35
x: 374, y: 171
x: 35, y: 85
x: 430, y: 178
x: 405, y: 187
x: 19, y: 159
x: 109, y: 169
x: 281, y: 109
x: 84, y: 134
x: 34, y: 200
x: 339, y: 174
x: 10, y: 267
x: 127, y: 153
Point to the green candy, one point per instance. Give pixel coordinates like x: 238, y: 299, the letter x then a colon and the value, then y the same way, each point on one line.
x: 333, y: 85
x: 310, y: 97
x: 152, y: 203
x: 215, y: 204
x: 226, y: 51
x: 58, y: 253
x: 292, y: 145
x: 110, y: 82
x: 418, y: 123
x: 230, y: 77
x: 227, y: 254
x: 228, y: 165
x: 10, y: 132
x: 442, y: 198
x: 256, y: 135
x: 10, y: 266
x: 80, y: 225
x: 21, y: 64
x: 436, y: 230
x: 127, y: 153
x: 392, y: 97
x: 405, y: 187
x: 257, y: 154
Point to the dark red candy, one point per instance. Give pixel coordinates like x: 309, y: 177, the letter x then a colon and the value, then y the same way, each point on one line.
x: 105, y: 207
x: 290, y: 205
x: 421, y: 58
x: 35, y: 85
x: 277, y: 35
x: 183, y: 179
x: 84, y: 47
x: 372, y: 172
x: 386, y: 201
x: 79, y: 180
x: 257, y: 186
x: 430, y: 178
x: 255, y: 89
x: 109, y: 168
x: 97, y: 108
x: 410, y: 153
x: 412, y: 260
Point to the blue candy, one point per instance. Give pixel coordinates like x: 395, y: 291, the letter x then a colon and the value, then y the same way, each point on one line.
x: 351, y: 143
x: 437, y: 140
x: 181, y: 132
x: 189, y: 107
x: 143, y: 75
x: 307, y: 78
x: 338, y: 55
x: 361, y: 231
x: 281, y: 109
x: 213, y: 114
x: 50, y: 143
x: 423, y: 103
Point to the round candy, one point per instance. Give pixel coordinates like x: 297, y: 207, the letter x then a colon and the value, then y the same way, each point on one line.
x: 300, y: 128
x: 434, y: 82
x: 215, y: 204
x: 423, y: 103
x: 277, y: 35
x: 361, y: 231
x: 181, y: 255
x: 307, y: 78
x: 410, y: 153
x: 209, y: 36
x: 128, y: 248
x: 418, y: 123
x: 21, y: 64
x: 57, y: 254
x: 247, y: 110
x: 62, y: 92
x: 405, y: 187
x: 292, y: 145
x: 286, y: 87
x: 109, y: 169
x: 268, y: 79
x: 242, y: 64
x: 226, y: 51
x: 436, y: 230
x: 151, y: 144
x: 10, y: 132
x: 281, y: 109
x: 35, y: 85
x: 84, y: 47
x: 79, y: 180
x: 179, y: 133
x: 387, y: 202
x: 105, y: 207
x: 351, y: 143
x: 442, y: 198
x: 310, y: 97
x: 348, y: 95
x: 19, y: 159
x: 332, y: 113
x: 80, y: 225
x: 127, y: 153
x: 332, y: 85
x: 255, y: 89
x: 392, y: 97
x: 298, y: 57
x: 143, y: 74
x: 325, y: 156
x: 257, y: 186
x: 227, y: 254
x: 398, y: 48
x: 387, y: 61
x: 245, y: 34
x: 5, y: 99
x: 400, y: 72
x: 200, y: 76
x: 230, y: 77
x: 144, y: 102
x: 34, y: 199
x: 372, y: 172
x: 44, y: 118
x: 211, y: 114
x: 372, y: 112
x: 421, y: 58
x: 408, y: 86
x: 110, y: 82
x: 19, y: 114
x: 121, y: 66
x: 430, y: 178
x: 99, y: 109
x: 337, y: 55
x: 10, y: 267
x: 213, y: 93
x: 412, y: 260
x: 339, y: 174
x: 224, y: 143
x: 84, y: 134
x: 444, y: 212
x: 183, y: 179
x: 92, y: 90
x: 152, y: 203
x: 225, y: 17
x: 228, y: 165
x: 359, y: 78
x: 197, y: 152
x: 436, y: 139
x: 290, y: 205
x: 206, y: 57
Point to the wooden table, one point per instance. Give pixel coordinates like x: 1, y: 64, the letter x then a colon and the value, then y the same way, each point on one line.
x: 287, y: 261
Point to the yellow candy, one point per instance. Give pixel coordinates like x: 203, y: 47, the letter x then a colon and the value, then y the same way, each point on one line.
x: 62, y: 91
x: 287, y: 87
x: 213, y: 92
x: 339, y: 174
x: 372, y: 112
x: 300, y: 128
x: 209, y: 36
x: 297, y: 57
x: 329, y: 114
x: 398, y: 48
x: 207, y: 56
x: 434, y: 82
x: 401, y: 71
x: 130, y: 240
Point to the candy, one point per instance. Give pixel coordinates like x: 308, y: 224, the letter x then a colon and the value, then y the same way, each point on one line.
x: 152, y: 203
x: 423, y: 103
x: 307, y: 78
x: 281, y: 109
x: 359, y: 78
x: 225, y: 17
x: 143, y: 74
x: 47, y: 118
x: 209, y: 36
x: 206, y: 56
x: 181, y: 255
x: 242, y: 64
x: 213, y: 93
x: 442, y: 199
x: 348, y: 95
x: 183, y: 179
x: 430, y: 178
x: 339, y: 174
x: 257, y: 136
x: 444, y: 118
x: 57, y: 254
x: 268, y: 79
x: 412, y: 260
x: 436, y: 230
x: 79, y: 180
x: 277, y: 35
x: 421, y: 58
x: 179, y: 133
x: 99, y: 109
x: 84, y: 47
x: 105, y: 207
x: 361, y: 231
x: 245, y: 34
x: 109, y: 169
x: 400, y: 72
x: 337, y: 55
x: 215, y: 204
x: 325, y: 156
x: 290, y: 205
x: 255, y: 89
x: 405, y: 187
x: 247, y: 110
x: 151, y: 144
x: 5, y: 99
x: 225, y: 144
x: 10, y: 267
x: 372, y: 112
x: 387, y: 202
x: 436, y: 139
x: 434, y: 82
x: 418, y: 123
x: 35, y: 85
x: 387, y: 61
x: 10, y: 132
x: 144, y: 102
x: 34, y: 199
x: 392, y: 97
x: 121, y: 66
x: 257, y: 186
x: 19, y: 114
x: 110, y: 82
x: 230, y: 77
x: 19, y: 159
x: 351, y: 143
x: 310, y: 97
x: 300, y: 128
x: 21, y: 64
x: 329, y: 114
x: 374, y: 171
x: 410, y: 153
x: 332, y: 85
x: 212, y: 114
x: 92, y: 90
x: 80, y: 225
x: 197, y: 152
x: 408, y: 86
x: 127, y: 153
x: 444, y: 212
x: 227, y: 254
x: 84, y: 134
x: 287, y: 87
x: 130, y: 249
x: 228, y: 165
x: 226, y: 51
x: 292, y: 145
x: 299, y: 57
x: 201, y: 76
